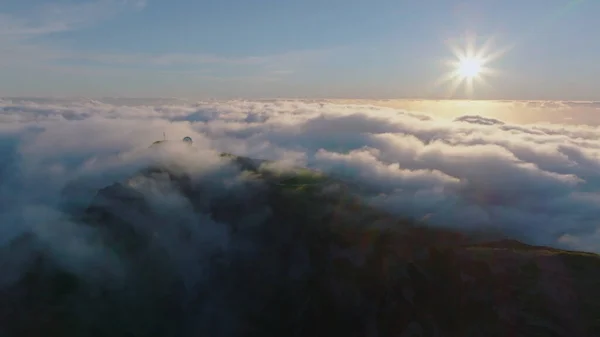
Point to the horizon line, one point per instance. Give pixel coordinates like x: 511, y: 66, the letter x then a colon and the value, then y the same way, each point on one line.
x: 291, y: 98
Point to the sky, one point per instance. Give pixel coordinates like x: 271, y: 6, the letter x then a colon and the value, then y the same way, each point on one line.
x: 546, y: 49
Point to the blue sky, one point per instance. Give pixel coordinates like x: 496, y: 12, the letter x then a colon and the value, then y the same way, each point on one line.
x: 284, y: 48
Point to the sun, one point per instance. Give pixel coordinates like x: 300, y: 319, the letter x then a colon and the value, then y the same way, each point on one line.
x: 470, y: 66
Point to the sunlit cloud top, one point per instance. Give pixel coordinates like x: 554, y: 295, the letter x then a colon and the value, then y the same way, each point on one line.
x: 534, y: 182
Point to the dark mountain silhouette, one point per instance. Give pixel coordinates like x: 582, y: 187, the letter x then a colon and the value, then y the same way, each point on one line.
x: 303, y: 256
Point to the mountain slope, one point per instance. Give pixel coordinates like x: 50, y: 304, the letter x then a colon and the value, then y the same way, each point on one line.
x: 258, y: 252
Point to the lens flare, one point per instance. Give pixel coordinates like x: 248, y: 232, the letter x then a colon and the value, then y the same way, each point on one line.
x: 470, y: 66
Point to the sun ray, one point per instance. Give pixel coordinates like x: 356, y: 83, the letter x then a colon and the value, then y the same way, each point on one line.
x: 482, y: 81
x: 456, y: 82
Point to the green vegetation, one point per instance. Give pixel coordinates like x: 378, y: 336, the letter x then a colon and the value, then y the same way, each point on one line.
x: 322, y: 263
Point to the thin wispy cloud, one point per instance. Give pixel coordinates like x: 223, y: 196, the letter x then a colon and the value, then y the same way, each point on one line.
x: 52, y: 18
x: 275, y: 63
x: 23, y: 44
x: 22, y: 36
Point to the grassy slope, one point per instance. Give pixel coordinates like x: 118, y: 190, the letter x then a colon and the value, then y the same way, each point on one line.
x: 493, y: 288
x: 368, y: 273
x: 462, y: 288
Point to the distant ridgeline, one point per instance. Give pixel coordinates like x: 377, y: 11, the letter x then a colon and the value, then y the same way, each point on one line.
x: 297, y: 177
x: 187, y: 140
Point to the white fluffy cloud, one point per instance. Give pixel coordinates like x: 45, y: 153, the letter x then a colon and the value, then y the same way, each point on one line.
x: 538, y: 183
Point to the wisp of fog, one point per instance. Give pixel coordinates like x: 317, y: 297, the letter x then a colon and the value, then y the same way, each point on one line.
x: 537, y: 183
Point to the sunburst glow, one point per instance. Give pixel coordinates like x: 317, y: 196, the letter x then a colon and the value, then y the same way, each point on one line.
x: 470, y: 66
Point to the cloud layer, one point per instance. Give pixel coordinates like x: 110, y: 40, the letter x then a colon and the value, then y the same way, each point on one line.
x: 538, y: 183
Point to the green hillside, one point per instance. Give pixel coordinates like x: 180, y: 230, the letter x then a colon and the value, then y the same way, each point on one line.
x: 305, y: 257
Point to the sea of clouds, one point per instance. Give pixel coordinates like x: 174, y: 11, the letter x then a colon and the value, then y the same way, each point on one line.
x: 534, y: 182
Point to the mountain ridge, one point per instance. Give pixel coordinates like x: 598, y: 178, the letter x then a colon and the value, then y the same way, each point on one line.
x: 246, y: 254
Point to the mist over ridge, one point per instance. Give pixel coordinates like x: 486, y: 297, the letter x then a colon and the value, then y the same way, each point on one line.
x: 536, y: 182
